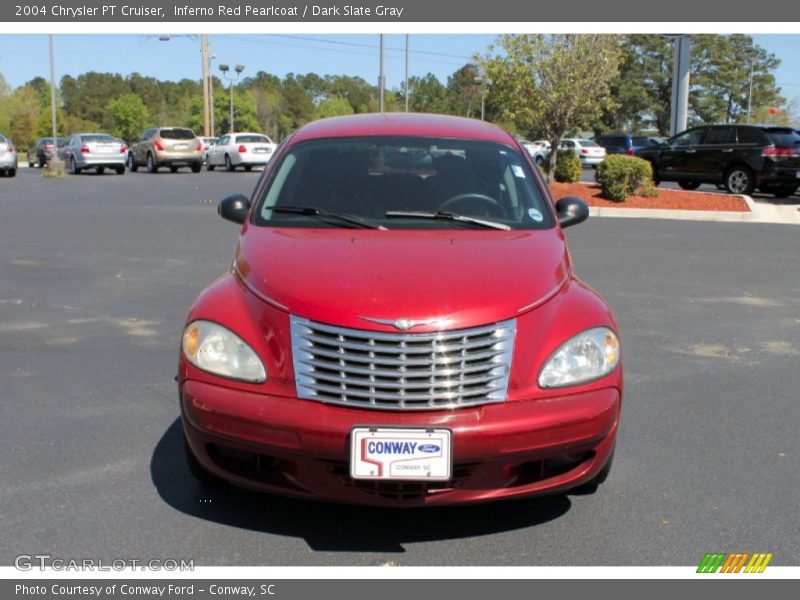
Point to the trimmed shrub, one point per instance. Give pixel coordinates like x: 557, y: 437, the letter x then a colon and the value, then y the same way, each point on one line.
x: 621, y: 176
x: 568, y: 166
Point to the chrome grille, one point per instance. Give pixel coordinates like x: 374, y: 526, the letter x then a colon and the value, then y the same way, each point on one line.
x: 402, y: 371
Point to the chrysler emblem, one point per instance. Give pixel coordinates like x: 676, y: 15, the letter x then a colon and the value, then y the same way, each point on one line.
x: 404, y: 324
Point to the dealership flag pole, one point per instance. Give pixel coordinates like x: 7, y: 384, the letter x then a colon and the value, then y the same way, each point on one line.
x: 53, y: 96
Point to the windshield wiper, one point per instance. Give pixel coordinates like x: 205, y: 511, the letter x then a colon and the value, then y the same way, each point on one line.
x: 313, y: 211
x: 446, y: 216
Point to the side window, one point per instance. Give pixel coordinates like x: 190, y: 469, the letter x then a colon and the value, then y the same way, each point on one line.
x: 720, y: 135
x: 689, y: 138
x: 223, y: 141
x: 750, y: 135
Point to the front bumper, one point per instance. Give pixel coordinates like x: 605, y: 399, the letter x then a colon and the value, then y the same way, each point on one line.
x: 301, y: 448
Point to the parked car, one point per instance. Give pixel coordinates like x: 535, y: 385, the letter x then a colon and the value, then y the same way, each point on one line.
x: 172, y: 147
x: 43, y: 150
x: 401, y: 325
x: 740, y: 157
x: 8, y: 157
x: 589, y: 153
x: 621, y: 143
x: 98, y: 151
x: 245, y: 150
x: 207, y: 143
x: 537, y: 152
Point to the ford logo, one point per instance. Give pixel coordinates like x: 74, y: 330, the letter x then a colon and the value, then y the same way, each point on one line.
x: 429, y: 448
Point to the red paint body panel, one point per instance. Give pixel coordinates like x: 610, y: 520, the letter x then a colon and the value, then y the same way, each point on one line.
x: 537, y: 441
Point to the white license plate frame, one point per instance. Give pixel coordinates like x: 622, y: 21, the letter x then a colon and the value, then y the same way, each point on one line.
x: 391, y: 453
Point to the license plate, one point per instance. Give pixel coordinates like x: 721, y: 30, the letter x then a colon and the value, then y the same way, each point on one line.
x: 181, y: 146
x: 393, y: 453
x: 104, y: 149
x: 260, y: 150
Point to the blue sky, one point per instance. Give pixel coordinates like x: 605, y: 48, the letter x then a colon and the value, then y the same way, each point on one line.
x: 23, y: 57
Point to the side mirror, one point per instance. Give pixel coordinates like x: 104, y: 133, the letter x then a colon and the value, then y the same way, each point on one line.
x: 571, y: 211
x: 234, y: 208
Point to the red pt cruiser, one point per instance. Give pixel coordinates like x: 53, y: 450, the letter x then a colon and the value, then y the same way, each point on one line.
x: 401, y: 325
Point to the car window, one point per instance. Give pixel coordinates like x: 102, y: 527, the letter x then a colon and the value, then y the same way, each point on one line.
x: 369, y: 176
x: 720, y: 135
x: 612, y: 140
x: 252, y: 139
x: 223, y: 140
x: 101, y: 137
x: 177, y: 134
x: 642, y: 141
x: 688, y: 138
x: 148, y: 133
x: 567, y: 144
x: 783, y: 138
x: 588, y: 144
x: 751, y: 135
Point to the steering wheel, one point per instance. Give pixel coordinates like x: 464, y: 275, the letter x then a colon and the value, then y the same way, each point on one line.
x: 489, y: 203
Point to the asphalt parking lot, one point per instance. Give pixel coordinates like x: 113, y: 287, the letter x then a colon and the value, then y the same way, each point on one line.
x: 96, y: 276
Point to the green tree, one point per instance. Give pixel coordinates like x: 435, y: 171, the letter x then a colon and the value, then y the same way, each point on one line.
x: 463, y: 92
x: 126, y: 116
x: 427, y: 94
x: 334, y: 106
x: 720, y: 78
x: 553, y: 83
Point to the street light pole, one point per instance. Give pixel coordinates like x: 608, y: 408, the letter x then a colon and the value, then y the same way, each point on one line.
x: 204, y: 59
x: 406, y: 73
x: 225, y: 69
x: 380, y: 79
x: 53, y: 97
x: 750, y: 93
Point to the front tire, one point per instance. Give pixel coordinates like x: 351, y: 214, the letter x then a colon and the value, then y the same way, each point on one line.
x: 740, y: 180
x: 101, y: 170
x: 120, y: 170
x: 228, y: 164
x: 132, y: 166
x: 197, y: 167
x: 73, y: 168
x: 152, y: 167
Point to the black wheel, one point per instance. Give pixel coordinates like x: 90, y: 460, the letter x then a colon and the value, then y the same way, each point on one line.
x: 120, y: 170
x: 740, y: 180
x: 152, y: 167
x: 197, y: 470
x: 132, y: 163
x: 73, y: 168
x: 539, y: 161
x: 42, y: 161
x: 783, y: 191
x: 228, y: 164
x: 12, y: 172
x: 197, y: 167
x: 30, y: 164
x: 248, y: 168
x: 173, y: 169
x: 101, y: 170
x: 689, y: 185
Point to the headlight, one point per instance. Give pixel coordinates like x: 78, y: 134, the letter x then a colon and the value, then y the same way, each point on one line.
x: 218, y: 350
x: 588, y: 355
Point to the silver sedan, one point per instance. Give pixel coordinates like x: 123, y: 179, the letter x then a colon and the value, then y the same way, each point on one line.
x: 8, y: 157
x: 98, y: 151
x: 246, y: 150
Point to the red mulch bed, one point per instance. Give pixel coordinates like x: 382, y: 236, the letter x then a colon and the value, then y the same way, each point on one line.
x: 668, y: 199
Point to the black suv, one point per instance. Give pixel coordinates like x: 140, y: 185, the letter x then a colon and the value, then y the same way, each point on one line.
x: 740, y: 157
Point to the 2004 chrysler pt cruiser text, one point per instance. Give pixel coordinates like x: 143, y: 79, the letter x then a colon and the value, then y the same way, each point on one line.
x: 401, y: 325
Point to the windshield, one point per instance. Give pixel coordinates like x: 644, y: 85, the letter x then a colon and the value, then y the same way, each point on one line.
x: 369, y: 177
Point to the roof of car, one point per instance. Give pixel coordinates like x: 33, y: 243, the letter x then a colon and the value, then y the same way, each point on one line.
x: 418, y: 124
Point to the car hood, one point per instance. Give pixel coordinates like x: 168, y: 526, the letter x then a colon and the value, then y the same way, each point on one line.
x: 459, y: 278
